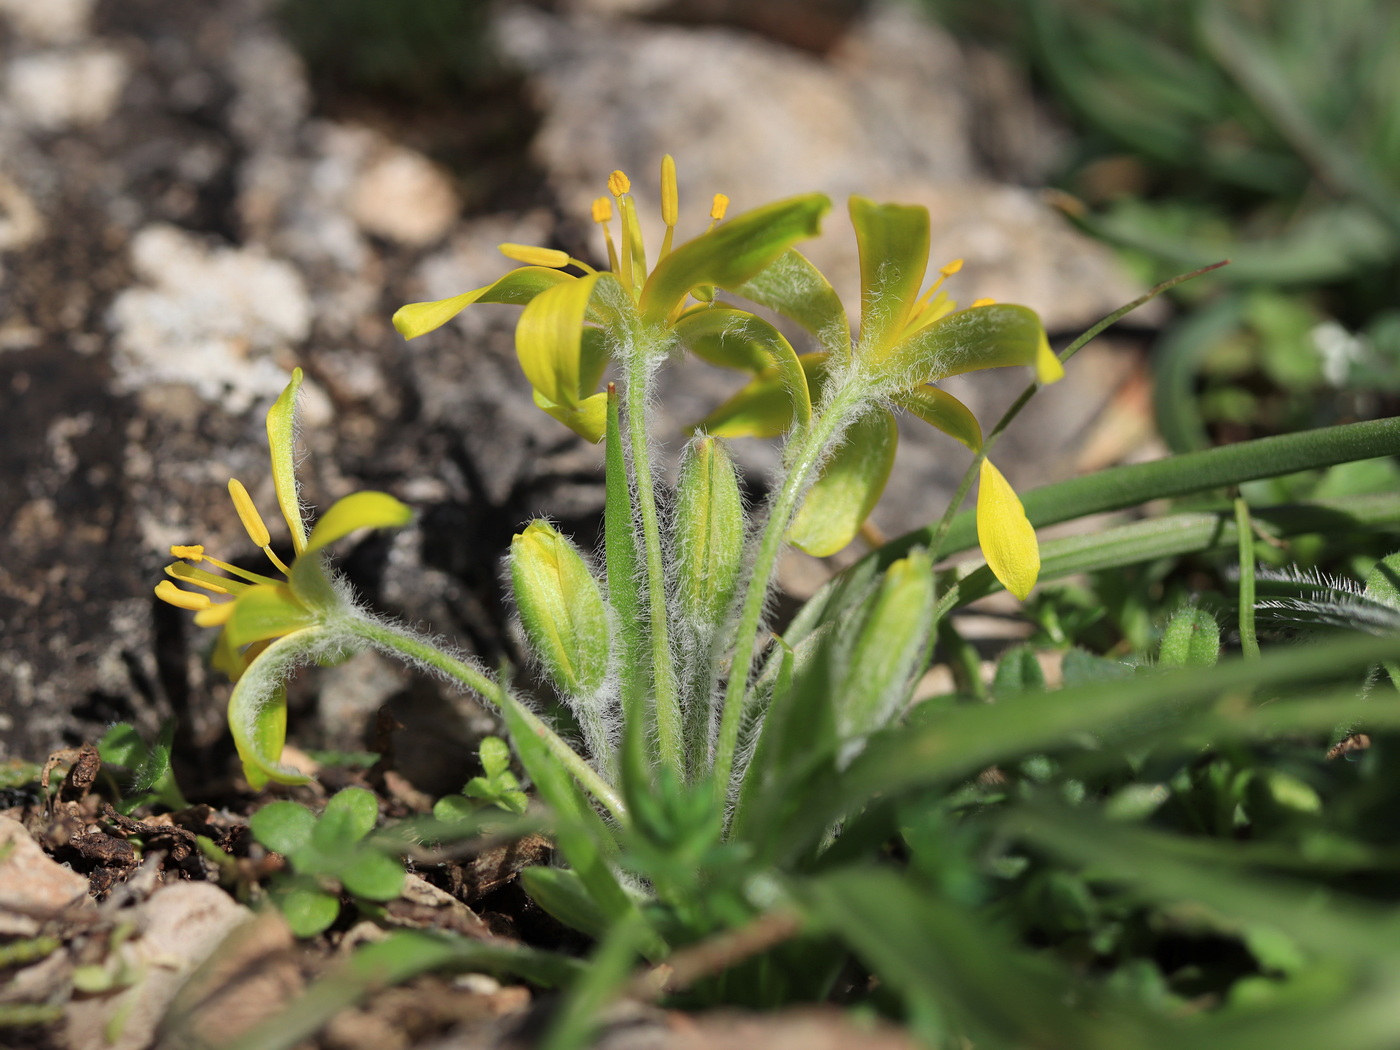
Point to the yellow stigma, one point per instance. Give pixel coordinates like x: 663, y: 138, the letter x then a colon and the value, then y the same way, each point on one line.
x: 670, y: 196
x: 982, y: 302
x: 951, y: 268
x: 180, y: 598
x: 532, y: 256
x: 602, y: 210
x: 194, y: 553
x: 248, y: 514
x: 718, y: 208
x: 618, y: 184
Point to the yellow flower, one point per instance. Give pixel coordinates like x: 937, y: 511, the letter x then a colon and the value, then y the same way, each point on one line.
x: 571, y: 324
x: 299, y: 605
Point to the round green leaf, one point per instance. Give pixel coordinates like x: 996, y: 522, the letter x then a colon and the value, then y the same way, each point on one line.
x: 356, y: 809
x: 283, y: 827
x: 307, y: 908
x: 373, y: 876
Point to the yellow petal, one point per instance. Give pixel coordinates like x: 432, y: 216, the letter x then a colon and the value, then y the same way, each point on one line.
x: 1007, y: 538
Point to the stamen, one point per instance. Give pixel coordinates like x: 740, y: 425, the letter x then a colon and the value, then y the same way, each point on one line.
x: 618, y: 184
x: 670, y: 203
x: 717, y: 209
x: 951, y: 268
x: 200, y: 578
x: 182, y: 599
x: 532, y: 256
x: 982, y: 302
x: 193, y: 553
x: 248, y: 514
x: 602, y: 215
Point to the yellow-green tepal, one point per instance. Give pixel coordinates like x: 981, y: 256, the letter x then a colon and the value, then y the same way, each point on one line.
x: 561, y: 608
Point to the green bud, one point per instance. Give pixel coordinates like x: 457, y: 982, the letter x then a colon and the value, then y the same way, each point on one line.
x: 561, y: 608
x: 709, y: 532
x: 886, y: 646
x: 1192, y: 639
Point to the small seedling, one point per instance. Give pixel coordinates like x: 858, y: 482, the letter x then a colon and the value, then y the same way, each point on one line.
x: 496, y: 787
x: 143, y: 773
x: 328, y: 855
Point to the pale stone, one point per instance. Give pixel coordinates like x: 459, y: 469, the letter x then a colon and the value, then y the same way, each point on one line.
x: 211, y: 318
x: 55, y: 90
x: 404, y: 197
x: 34, y: 888
x: 49, y: 21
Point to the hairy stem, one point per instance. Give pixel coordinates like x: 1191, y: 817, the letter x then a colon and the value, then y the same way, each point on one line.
x: 670, y: 743
x: 416, y: 650
x: 811, y: 451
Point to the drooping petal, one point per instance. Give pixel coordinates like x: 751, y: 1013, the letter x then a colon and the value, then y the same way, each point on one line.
x: 763, y: 408
x: 851, y: 483
x: 731, y: 253
x: 281, y: 436
x: 893, y: 240
x: 737, y: 339
x: 518, y: 287
x: 587, y: 418
x: 549, y: 339
x: 940, y: 409
x: 795, y: 288
x: 257, y: 710
x: 1005, y: 534
x: 979, y: 337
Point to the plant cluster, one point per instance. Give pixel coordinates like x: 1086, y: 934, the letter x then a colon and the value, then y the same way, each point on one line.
x: 1145, y: 855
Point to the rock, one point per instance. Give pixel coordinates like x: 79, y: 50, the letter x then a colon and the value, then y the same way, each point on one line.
x: 404, y: 197
x: 34, y: 888
x: 177, y: 929
x: 53, y: 90
x: 52, y: 22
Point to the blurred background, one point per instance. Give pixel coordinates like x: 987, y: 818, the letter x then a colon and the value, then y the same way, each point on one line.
x: 195, y: 198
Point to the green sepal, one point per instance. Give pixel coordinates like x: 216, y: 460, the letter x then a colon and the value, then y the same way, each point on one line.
x: 518, y: 287
x: 266, y: 611
x: 849, y: 487
x: 763, y: 408
x: 795, y: 288
x: 561, y: 608
x: 257, y: 709
x: 979, y: 337
x: 709, y: 532
x: 942, y: 410
x: 359, y: 510
x: 737, y: 339
x: 893, y: 241
x: 730, y: 254
x: 281, y: 436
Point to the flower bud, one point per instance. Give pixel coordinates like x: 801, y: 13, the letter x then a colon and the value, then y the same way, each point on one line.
x: 709, y: 532
x: 885, y: 646
x: 561, y: 608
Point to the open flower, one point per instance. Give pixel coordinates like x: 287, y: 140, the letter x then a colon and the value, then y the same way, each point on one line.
x: 909, y: 339
x: 572, y: 324
x: 267, y: 622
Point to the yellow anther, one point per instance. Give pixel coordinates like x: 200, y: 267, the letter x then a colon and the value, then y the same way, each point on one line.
x: 532, y: 256
x: 180, y: 598
x: 618, y: 184
x: 248, y: 514
x: 602, y: 210
x: 670, y: 196
x: 194, y: 553
x: 982, y: 302
x: 951, y: 268
x: 718, y: 208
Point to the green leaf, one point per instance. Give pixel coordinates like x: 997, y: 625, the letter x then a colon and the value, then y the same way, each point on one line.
x: 1018, y: 671
x: 453, y: 809
x: 266, y: 611
x: 795, y: 288
x: 940, y: 409
x: 849, y: 486
x: 359, y: 510
x: 122, y: 745
x: 519, y: 287
x: 968, y: 340
x: 735, y: 339
x: 355, y: 810
x: 732, y: 253
x: 561, y: 892
x: 283, y: 827
x: 307, y: 908
x: 893, y: 240
x: 372, y: 875
x: 1191, y: 639
x: 281, y: 439
x: 763, y: 408
x: 495, y: 756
